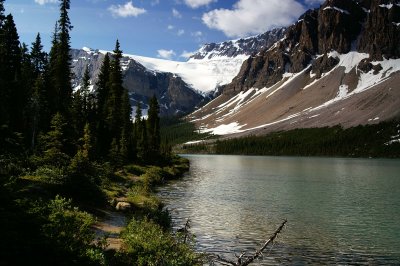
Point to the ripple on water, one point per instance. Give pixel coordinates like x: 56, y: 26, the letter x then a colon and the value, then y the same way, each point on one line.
x: 339, y: 211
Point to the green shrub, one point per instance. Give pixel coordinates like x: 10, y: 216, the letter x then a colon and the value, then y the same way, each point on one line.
x: 51, y: 175
x: 71, y: 230
x: 135, y: 169
x: 145, y: 243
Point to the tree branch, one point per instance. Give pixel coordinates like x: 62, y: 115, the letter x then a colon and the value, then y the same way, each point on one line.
x: 258, y: 253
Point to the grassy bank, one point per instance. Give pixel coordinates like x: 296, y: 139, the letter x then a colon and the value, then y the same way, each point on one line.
x: 47, y: 222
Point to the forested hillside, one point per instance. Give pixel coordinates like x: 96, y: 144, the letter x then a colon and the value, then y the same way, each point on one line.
x: 381, y: 140
x: 65, y: 156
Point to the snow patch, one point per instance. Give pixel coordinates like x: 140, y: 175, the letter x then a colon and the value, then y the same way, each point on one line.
x: 337, y: 9
x: 224, y: 129
x: 349, y: 60
x: 88, y: 50
x: 193, y: 142
x: 367, y: 80
x: 388, y: 6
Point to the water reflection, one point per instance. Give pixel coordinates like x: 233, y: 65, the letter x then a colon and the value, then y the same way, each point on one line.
x: 340, y: 211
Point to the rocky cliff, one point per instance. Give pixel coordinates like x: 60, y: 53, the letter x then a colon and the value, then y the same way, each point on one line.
x: 244, y: 46
x: 341, y: 56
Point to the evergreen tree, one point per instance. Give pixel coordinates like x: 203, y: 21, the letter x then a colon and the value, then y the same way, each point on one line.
x: 38, y: 56
x: 114, y: 114
x: 54, y: 143
x: 10, y: 72
x: 60, y: 61
x: 102, y: 92
x: 37, y: 110
x: 3, y: 89
x: 80, y: 105
x: 85, y: 93
x: 153, y: 128
x: 27, y: 78
x: 142, y: 146
x: 2, y: 17
x: 137, y: 130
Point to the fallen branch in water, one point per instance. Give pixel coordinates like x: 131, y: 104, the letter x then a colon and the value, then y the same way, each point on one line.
x: 185, y: 230
x: 243, y: 260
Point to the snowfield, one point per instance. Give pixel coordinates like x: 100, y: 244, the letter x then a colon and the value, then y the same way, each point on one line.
x: 203, y: 75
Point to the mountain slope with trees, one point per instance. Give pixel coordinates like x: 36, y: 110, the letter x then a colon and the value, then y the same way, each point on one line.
x: 64, y: 155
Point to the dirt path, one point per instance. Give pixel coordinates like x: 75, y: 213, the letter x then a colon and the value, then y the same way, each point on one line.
x: 111, y: 224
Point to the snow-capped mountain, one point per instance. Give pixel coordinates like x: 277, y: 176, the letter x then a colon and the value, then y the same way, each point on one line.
x: 244, y: 46
x: 179, y: 86
x: 338, y: 64
x: 175, y: 96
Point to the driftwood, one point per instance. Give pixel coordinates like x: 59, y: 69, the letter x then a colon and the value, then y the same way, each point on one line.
x: 243, y: 260
x: 185, y: 231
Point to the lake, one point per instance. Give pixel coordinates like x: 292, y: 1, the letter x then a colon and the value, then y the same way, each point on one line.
x: 339, y: 211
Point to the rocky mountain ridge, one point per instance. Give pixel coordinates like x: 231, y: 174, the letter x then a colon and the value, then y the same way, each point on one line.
x: 339, y: 55
x: 180, y: 86
x: 174, y: 95
x: 244, y: 46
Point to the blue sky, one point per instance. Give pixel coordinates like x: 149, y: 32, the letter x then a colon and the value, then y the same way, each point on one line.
x: 156, y: 28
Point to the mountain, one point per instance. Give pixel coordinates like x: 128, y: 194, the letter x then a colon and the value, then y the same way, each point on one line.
x: 179, y: 86
x: 244, y: 46
x: 338, y: 64
x: 175, y: 96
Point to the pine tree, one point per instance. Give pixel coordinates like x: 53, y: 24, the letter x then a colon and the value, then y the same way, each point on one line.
x: 38, y: 110
x: 137, y: 130
x: 153, y: 128
x: 85, y: 93
x: 10, y: 72
x: 27, y: 78
x: 60, y: 61
x: 38, y: 56
x: 80, y: 105
x: 3, y: 90
x: 54, y: 143
x: 114, y: 114
x: 2, y: 17
x: 102, y: 92
x: 142, y: 146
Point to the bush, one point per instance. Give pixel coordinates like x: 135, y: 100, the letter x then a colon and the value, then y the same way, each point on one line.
x: 51, y: 175
x: 71, y: 230
x: 135, y: 169
x: 145, y: 243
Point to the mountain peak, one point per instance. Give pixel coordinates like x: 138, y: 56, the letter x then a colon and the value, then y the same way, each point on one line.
x: 242, y: 46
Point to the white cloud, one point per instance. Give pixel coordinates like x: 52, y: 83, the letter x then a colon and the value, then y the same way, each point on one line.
x: 127, y: 10
x: 166, y: 54
x: 186, y: 54
x: 170, y: 27
x: 155, y: 2
x: 176, y: 13
x: 43, y: 2
x: 197, y: 34
x: 180, y: 32
x: 253, y: 16
x: 198, y: 3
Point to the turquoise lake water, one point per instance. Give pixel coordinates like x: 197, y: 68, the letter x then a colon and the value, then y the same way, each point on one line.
x: 339, y: 211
